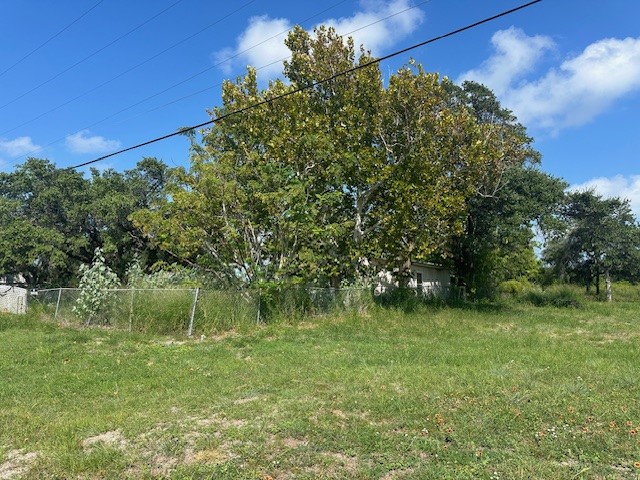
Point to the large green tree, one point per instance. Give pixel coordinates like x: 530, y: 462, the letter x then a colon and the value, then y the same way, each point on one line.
x: 113, y: 197
x: 328, y: 178
x: 52, y: 219
x: 600, y: 239
x: 45, y: 233
x: 513, y: 200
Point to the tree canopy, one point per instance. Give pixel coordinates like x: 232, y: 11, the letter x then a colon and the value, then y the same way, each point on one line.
x: 331, y: 179
x: 599, y: 237
x: 52, y: 219
x: 328, y: 183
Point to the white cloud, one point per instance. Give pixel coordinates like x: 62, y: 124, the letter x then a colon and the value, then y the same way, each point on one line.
x: 618, y: 186
x: 19, y: 146
x: 262, y: 42
x: 81, y: 142
x: 574, y: 93
x: 516, y: 55
x: 380, y: 34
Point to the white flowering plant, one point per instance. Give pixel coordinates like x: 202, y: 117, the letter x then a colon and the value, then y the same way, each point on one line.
x: 95, y: 301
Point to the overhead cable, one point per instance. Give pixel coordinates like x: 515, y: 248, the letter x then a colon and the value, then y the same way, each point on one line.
x: 285, y: 58
x: 376, y: 61
x: 89, y: 56
x: 49, y: 40
x: 170, y: 87
x: 138, y: 65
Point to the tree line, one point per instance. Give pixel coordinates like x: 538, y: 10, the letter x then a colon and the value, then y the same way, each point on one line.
x: 327, y: 185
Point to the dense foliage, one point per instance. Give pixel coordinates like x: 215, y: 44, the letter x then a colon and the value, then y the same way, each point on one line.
x: 598, y: 238
x: 53, y: 219
x: 330, y: 183
x: 331, y: 180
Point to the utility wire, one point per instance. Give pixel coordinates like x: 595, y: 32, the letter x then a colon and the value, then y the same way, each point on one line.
x: 285, y: 58
x: 179, y: 83
x: 312, y: 85
x: 129, y: 70
x: 237, y: 55
x: 90, y: 55
x: 49, y: 40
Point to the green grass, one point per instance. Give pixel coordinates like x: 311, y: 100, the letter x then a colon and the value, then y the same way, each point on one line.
x: 479, y: 392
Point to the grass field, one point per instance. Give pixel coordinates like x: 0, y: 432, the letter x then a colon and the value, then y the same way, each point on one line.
x: 496, y: 392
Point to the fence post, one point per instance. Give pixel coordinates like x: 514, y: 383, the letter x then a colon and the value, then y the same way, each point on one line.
x: 259, y: 304
x: 131, y: 310
x: 193, y: 312
x: 55, y: 315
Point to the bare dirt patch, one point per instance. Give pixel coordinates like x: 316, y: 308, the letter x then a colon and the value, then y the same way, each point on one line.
x: 162, y: 465
x: 397, y: 474
x: 209, y: 456
x: 293, y: 443
x: 16, y: 463
x: 111, y: 439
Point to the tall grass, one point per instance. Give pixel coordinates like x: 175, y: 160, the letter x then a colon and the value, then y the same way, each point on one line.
x: 513, y: 391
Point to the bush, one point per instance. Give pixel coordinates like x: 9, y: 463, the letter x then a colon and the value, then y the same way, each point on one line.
x: 164, y: 276
x: 514, y: 287
x: 408, y: 299
x: 96, y: 302
x: 556, y: 296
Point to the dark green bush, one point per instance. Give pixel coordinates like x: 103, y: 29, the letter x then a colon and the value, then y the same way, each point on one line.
x: 556, y: 296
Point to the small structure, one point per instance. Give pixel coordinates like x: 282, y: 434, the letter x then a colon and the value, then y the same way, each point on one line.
x: 13, y: 299
x: 13, y: 279
x: 427, y: 278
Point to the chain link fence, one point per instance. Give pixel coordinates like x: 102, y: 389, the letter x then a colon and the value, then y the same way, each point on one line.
x: 195, y: 311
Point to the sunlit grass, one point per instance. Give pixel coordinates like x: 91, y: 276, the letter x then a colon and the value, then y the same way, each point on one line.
x: 478, y: 392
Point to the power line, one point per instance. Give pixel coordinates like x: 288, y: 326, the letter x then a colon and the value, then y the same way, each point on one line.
x: 89, y: 56
x: 312, y: 85
x: 201, y: 72
x: 238, y: 54
x: 174, y: 85
x: 128, y: 70
x: 49, y: 40
x: 285, y: 58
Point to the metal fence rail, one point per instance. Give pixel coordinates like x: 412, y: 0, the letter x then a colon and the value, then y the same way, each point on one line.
x: 195, y: 311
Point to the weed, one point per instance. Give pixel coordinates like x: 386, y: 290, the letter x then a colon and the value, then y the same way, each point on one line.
x: 510, y: 392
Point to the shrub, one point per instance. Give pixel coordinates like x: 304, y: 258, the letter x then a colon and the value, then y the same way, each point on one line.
x: 409, y: 299
x: 95, y: 301
x: 557, y: 296
x: 514, y: 287
x: 169, y: 276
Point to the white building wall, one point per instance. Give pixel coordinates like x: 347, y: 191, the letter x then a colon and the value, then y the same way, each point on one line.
x: 435, y: 279
x: 13, y: 299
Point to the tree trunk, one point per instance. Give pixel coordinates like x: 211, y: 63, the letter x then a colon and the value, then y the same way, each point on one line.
x: 607, y: 282
x: 404, y: 274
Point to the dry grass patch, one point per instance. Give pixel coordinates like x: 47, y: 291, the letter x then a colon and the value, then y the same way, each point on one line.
x: 16, y: 464
x: 112, y: 439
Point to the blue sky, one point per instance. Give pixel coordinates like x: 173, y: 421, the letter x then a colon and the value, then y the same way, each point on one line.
x: 79, y: 79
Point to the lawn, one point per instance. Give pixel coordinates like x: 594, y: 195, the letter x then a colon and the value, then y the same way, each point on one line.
x: 495, y: 392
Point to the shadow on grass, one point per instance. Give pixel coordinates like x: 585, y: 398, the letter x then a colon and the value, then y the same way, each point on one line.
x: 409, y: 300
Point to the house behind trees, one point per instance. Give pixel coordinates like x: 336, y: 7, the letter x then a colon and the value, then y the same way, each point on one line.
x: 426, y: 278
